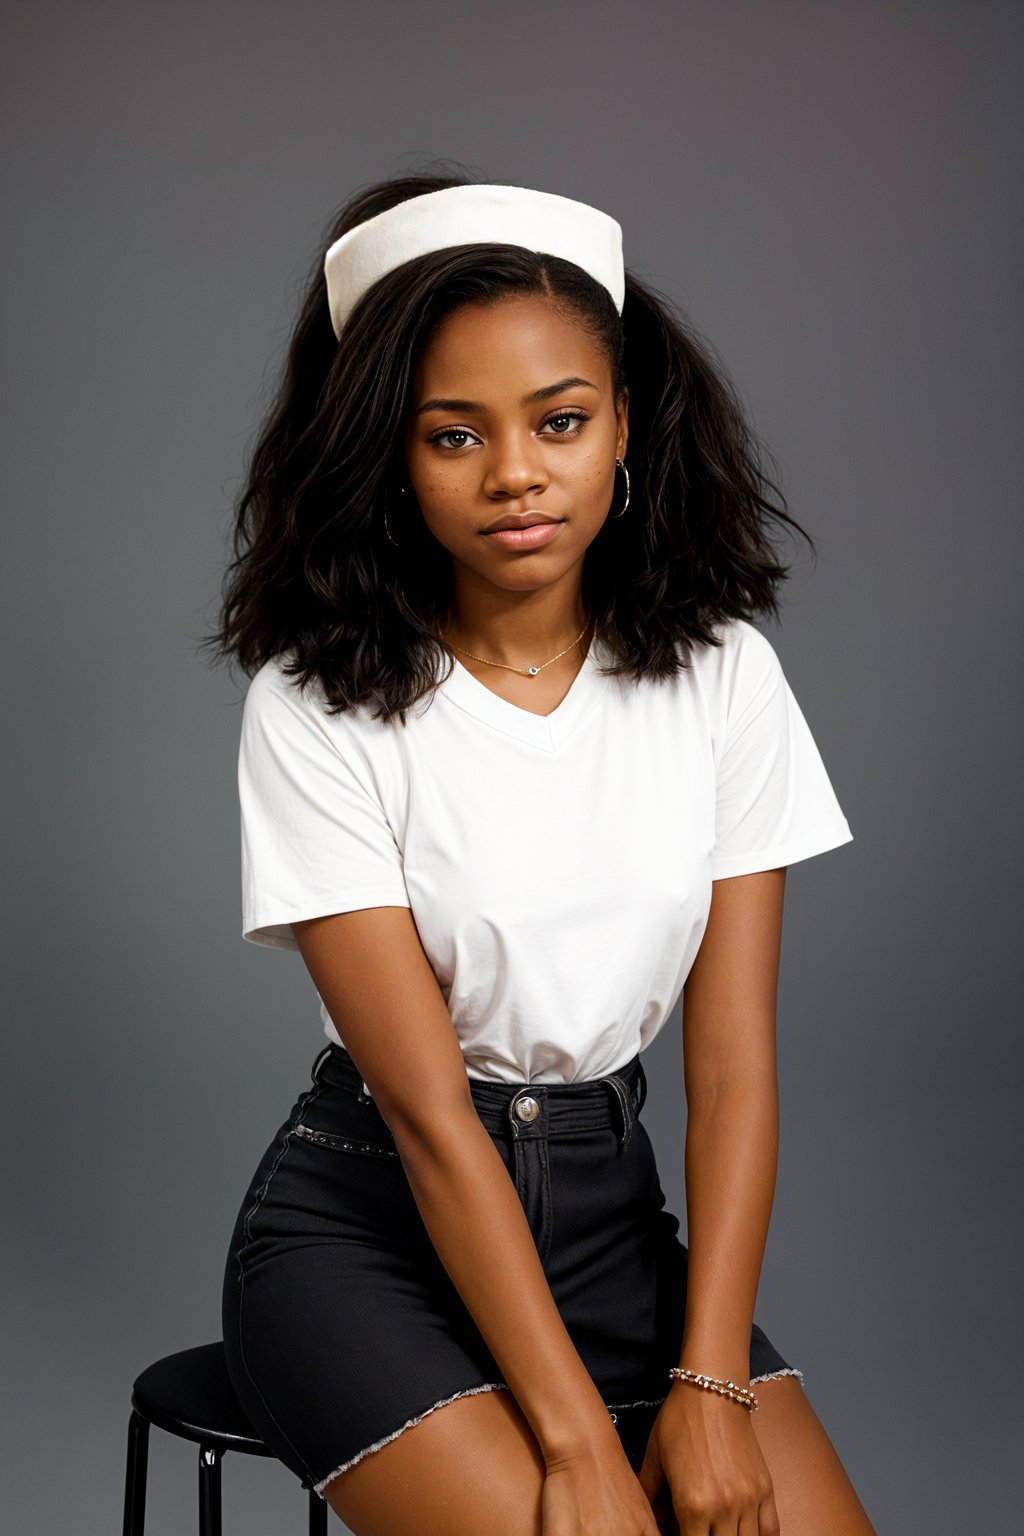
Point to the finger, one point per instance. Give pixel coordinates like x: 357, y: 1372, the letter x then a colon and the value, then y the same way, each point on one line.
x: 661, y: 1508
x: 768, y: 1523
x: 742, y: 1523
x: 745, y: 1522
x: 654, y: 1483
x: 653, y: 1487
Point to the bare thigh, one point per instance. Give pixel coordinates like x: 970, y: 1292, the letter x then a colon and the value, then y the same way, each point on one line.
x: 473, y: 1465
x: 813, y: 1494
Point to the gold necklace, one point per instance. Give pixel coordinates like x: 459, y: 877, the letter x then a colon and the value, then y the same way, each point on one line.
x: 528, y: 671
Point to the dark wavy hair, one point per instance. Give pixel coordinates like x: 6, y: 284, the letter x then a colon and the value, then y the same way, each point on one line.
x: 313, y: 573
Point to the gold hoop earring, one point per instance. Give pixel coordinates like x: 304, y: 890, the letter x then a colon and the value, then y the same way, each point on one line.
x: 387, y: 530
x: 620, y: 465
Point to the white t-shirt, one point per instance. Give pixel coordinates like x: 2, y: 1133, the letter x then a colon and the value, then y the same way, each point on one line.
x: 558, y: 867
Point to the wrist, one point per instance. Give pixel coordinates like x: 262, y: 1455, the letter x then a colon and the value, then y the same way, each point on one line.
x: 724, y: 1388
x: 579, y: 1440
x: 717, y: 1371
x: 731, y: 1364
x: 695, y: 1406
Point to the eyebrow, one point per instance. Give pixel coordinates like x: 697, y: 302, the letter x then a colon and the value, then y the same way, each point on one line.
x: 547, y: 393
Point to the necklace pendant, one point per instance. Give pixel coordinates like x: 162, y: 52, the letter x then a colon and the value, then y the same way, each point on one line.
x: 534, y: 671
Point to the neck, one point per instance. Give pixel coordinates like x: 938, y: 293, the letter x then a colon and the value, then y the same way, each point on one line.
x: 520, y: 633
x: 518, y: 653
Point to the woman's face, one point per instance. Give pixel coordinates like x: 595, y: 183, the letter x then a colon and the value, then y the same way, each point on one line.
x: 511, y: 416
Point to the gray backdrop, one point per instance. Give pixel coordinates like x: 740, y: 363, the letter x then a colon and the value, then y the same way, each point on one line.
x: 832, y: 192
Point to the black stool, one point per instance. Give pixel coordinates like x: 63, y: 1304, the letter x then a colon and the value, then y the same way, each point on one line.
x: 190, y: 1394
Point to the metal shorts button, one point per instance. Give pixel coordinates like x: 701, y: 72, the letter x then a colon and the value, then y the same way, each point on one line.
x: 527, y: 1108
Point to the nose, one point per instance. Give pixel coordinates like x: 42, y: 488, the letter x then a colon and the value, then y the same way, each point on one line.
x: 515, y: 468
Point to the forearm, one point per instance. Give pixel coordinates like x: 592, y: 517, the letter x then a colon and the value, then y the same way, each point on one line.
x: 478, y: 1227
x: 731, y: 1161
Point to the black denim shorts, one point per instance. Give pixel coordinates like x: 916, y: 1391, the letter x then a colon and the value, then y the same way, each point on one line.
x: 341, y: 1325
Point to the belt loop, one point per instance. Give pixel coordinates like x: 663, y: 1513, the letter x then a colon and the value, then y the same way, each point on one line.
x: 363, y: 1095
x: 315, y: 1074
x: 625, y: 1107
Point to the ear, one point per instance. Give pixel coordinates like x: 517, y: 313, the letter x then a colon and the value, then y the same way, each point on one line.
x: 622, y: 418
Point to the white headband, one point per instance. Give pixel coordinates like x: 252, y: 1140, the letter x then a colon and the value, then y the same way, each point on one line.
x: 470, y: 215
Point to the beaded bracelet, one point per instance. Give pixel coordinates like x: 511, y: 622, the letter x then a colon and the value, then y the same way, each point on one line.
x: 714, y: 1384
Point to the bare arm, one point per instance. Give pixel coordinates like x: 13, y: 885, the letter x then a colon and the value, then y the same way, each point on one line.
x: 370, y: 969
x: 703, y: 1454
x: 731, y: 1083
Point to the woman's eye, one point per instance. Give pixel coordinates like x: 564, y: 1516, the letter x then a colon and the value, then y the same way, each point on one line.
x: 444, y: 438
x: 566, y: 423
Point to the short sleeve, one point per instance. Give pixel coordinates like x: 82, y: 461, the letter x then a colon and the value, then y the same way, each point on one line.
x: 774, y: 801
x: 315, y: 837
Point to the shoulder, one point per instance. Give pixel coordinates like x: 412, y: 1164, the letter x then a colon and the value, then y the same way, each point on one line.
x: 269, y: 683
x: 276, y: 707
x: 274, y: 701
x: 743, y: 662
x: 741, y: 644
x: 274, y: 693
x: 298, y: 724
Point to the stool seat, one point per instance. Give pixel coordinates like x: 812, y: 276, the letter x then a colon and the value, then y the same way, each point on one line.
x: 190, y: 1394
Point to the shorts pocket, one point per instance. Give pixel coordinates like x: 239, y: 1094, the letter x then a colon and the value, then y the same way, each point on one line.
x: 339, y: 1143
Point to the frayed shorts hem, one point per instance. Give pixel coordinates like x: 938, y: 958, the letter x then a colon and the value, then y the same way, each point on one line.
x: 487, y: 1386
x: 502, y: 1386
x: 788, y: 1370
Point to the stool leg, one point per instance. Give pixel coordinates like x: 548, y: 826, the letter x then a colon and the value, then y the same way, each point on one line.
x: 317, y: 1515
x: 209, y: 1490
x: 135, y: 1475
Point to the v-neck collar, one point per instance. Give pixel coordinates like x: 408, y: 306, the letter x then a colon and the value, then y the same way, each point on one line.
x: 545, y: 732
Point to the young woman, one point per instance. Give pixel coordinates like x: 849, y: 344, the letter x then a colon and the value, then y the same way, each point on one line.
x: 516, y: 770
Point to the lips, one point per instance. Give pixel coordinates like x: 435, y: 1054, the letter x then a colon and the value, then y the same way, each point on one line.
x: 526, y: 535
x: 523, y: 520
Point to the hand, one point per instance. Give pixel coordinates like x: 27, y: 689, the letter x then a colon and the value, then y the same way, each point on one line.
x: 595, y: 1493
x: 704, y: 1469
